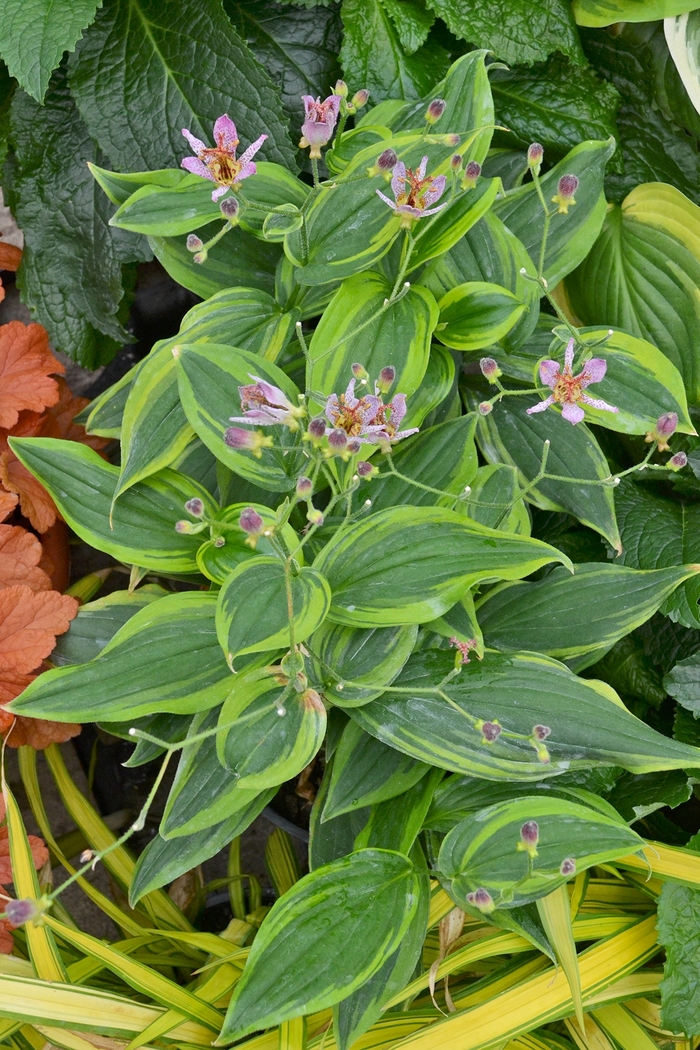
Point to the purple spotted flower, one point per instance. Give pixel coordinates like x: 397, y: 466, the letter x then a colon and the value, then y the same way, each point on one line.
x: 219, y: 163
x: 568, y: 389
x: 266, y: 405
x: 319, y: 122
x: 367, y: 418
x: 414, y: 192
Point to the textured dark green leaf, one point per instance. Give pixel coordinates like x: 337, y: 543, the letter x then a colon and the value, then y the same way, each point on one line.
x: 71, y: 269
x: 372, y: 55
x: 679, y: 933
x: 36, y: 33
x: 412, y: 21
x: 637, y: 795
x: 196, y: 67
x: 631, y: 670
x: 683, y: 684
x: 515, y: 30
x: 297, y: 48
x: 354, y: 911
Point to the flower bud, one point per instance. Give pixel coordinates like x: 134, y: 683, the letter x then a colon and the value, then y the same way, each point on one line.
x: 435, y: 110
x: 386, y: 378
x: 564, y: 197
x: 456, y: 161
x: 86, y: 856
x: 359, y: 99
x: 304, y: 487
x: 365, y: 469
x: 19, y: 912
x: 471, y: 175
x: 341, y: 88
x: 338, y: 440
x: 184, y: 527
x: 230, y: 208
x: 529, y: 837
x: 219, y: 541
x: 194, y: 243
x: 666, y: 424
x: 354, y: 445
x: 252, y: 440
x: 482, y: 900
x: 678, y: 461
x: 317, y: 428
x: 485, y: 408
x: 535, y: 154
x: 491, y: 732
x: 451, y: 140
x: 489, y: 369
x: 541, y: 732
x: 195, y: 507
x: 315, y: 516
x: 387, y: 160
x: 568, y: 867
x: 251, y: 522
x: 200, y: 257
x: 359, y: 371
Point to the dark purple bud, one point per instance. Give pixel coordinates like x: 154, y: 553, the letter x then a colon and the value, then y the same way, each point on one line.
x: 568, y: 184
x: 481, y: 899
x: 491, y: 731
x: 535, y: 154
x: 338, y: 440
x: 568, y: 867
x: 489, y: 368
x: 317, y: 428
x: 386, y: 378
x: 365, y: 469
x: 387, y: 160
x: 679, y: 460
x: 359, y: 371
x: 251, y: 522
x: 541, y: 732
x: 195, y: 507
x: 237, y: 437
x: 229, y: 208
x: 194, y: 243
x: 359, y: 99
x: 304, y: 487
x: 485, y: 408
x: 471, y: 175
x: 530, y: 834
x: 354, y: 445
x: 456, y: 161
x: 19, y: 912
x: 435, y: 110
x: 451, y: 140
x: 666, y: 424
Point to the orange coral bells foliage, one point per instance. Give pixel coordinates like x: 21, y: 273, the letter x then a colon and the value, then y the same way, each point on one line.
x: 40, y: 854
x: 29, y: 624
x: 10, y: 258
x: 8, y: 502
x: 20, y: 554
x: 26, y: 368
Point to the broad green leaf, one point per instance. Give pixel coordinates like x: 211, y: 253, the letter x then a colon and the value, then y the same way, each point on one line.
x: 509, y: 435
x: 204, y: 793
x: 566, y: 616
x: 515, y: 32
x: 334, y: 839
x: 590, y: 727
x: 97, y: 622
x: 494, y: 500
x: 338, y: 157
x: 103, y: 416
x: 366, y: 772
x: 605, y: 12
x: 442, y: 458
x: 355, y: 911
x: 137, y: 42
x: 171, y: 728
x: 438, y: 233
x: 272, y: 738
x: 658, y: 532
x: 239, y: 258
x: 678, y: 925
x: 636, y: 796
x: 489, y: 252
x: 374, y: 655
x: 143, y: 521
x: 483, y: 851
x: 120, y: 185
x: 256, y: 602
x: 437, y: 386
x: 396, y: 822
x: 209, y: 377
x: 683, y: 684
x: 125, y: 681
x: 36, y: 34
x: 642, y: 273
x: 357, y: 327
x: 373, y: 55
x: 476, y: 315
x: 217, y: 559
x: 411, y: 564
x: 460, y: 622
x: 571, y: 236
x: 681, y: 34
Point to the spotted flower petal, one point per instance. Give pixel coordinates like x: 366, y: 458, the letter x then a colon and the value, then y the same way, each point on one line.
x: 225, y: 133
x: 549, y: 370
x: 572, y: 412
x: 594, y: 371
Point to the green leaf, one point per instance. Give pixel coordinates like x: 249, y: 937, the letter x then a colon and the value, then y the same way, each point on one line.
x: 272, y: 738
x: 566, y: 616
x: 437, y: 234
x: 683, y: 684
x: 442, y: 458
x: 103, y: 416
x: 494, y: 500
x: 355, y: 911
x: 209, y: 377
x: 355, y: 328
x: 635, y: 797
x: 237, y: 259
x: 396, y: 823
x: 50, y: 178
x: 483, y: 851
x: 134, y: 42
x: 97, y: 622
x: 125, y: 681
x: 143, y: 522
x: 631, y: 670
x: 605, y: 12
x: 641, y: 275
x: 658, y: 532
x: 366, y: 772
x: 217, y: 559
x: 412, y: 21
x: 284, y: 219
x: 589, y: 725
x: 373, y: 55
x: 411, y: 564
x: 36, y: 34
x: 509, y: 435
x: 439, y: 385
x: 678, y: 926
x: 253, y: 613
x: 476, y: 315
x: 571, y: 236
x: 513, y: 29
x: 375, y: 655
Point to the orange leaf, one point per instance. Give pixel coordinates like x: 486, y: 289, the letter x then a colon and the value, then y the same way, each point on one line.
x: 10, y: 256
x: 29, y: 624
x: 12, y: 683
x: 26, y: 367
x: 7, y: 944
x: 39, y: 732
x: 20, y: 554
x: 40, y: 854
x: 8, y: 502
x: 34, y: 500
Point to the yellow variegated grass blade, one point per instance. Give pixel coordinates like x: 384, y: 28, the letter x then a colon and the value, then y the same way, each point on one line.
x: 555, y: 914
x: 43, y: 951
x: 440, y: 905
x: 293, y: 1034
x: 281, y: 861
x: 623, y: 1028
x: 594, y: 1038
x: 665, y: 862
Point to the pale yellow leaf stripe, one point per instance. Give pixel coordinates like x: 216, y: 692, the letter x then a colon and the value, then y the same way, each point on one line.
x: 665, y: 862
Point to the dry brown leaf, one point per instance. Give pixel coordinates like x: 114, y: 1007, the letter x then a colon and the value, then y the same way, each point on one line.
x: 35, y: 502
x: 26, y: 371
x: 20, y: 554
x: 8, y: 502
x: 29, y: 624
x: 40, y: 854
x: 10, y: 256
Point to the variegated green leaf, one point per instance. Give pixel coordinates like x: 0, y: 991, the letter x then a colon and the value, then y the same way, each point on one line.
x: 227, y: 547
x: 476, y: 315
x: 374, y: 655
